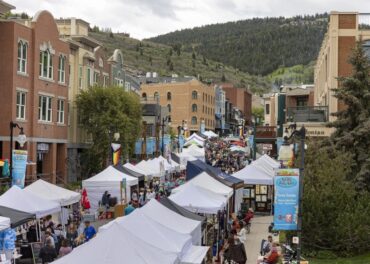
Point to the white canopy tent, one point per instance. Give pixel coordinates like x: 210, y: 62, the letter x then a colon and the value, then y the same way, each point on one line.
x: 210, y: 134
x: 253, y: 175
x: 53, y: 192
x: 195, y: 152
x: 155, y: 234
x: 4, y: 223
x: 162, y: 215
x: 266, y: 165
x: 21, y: 200
x: 206, y: 181
x: 184, y: 157
x: 199, y: 200
x: 274, y: 163
x: 110, y: 179
x: 117, y: 245
x: 195, y: 136
x: 194, y: 141
x: 137, y: 169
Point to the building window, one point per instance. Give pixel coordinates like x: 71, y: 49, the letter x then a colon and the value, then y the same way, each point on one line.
x: 169, y: 96
x: 267, y: 109
x: 194, y: 120
x: 45, y: 110
x: 96, y: 78
x: 194, y: 108
x: 80, y: 72
x: 22, y: 56
x: 60, y: 112
x: 46, y: 64
x: 156, y: 96
x: 169, y: 108
x: 61, y: 69
x: 194, y: 95
x: 144, y: 96
x: 203, y: 109
x: 302, y: 101
x: 21, y: 105
x: 127, y: 86
x: 105, y: 80
x: 88, y: 77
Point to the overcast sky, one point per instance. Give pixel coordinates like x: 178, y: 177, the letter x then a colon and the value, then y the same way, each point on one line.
x: 148, y: 18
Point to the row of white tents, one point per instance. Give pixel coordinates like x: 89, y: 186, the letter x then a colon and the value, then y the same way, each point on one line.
x: 151, y: 234
x: 260, y: 171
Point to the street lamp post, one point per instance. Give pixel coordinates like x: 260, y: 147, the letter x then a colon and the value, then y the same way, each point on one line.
x: 21, y: 139
x: 179, y: 130
x: 302, y: 135
x: 164, y: 119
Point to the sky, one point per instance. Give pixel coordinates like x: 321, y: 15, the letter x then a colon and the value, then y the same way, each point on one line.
x: 149, y: 18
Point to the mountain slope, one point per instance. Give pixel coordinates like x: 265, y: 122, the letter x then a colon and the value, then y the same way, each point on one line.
x: 256, y: 46
x: 145, y: 56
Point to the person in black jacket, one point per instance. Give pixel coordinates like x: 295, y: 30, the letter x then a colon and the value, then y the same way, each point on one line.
x: 47, y: 253
x: 235, y: 253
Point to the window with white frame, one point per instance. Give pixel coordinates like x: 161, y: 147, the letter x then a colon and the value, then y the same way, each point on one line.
x: 60, y: 111
x: 21, y: 105
x: 105, y: 80
x: 45, y: 110
x: 22, y: 56
x: 96, y: 78
x: 62, y: 69
x: 127, y: 86
x: 46, y: 64
x: 80, y: 73
x: 89, y: 77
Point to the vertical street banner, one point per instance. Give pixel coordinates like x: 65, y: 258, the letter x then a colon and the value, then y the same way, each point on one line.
x: 286, y: 202
x: 19, y: 167
x: 116, y: 153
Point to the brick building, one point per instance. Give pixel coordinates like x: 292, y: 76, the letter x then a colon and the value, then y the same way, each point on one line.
x: 34, y: 85
x: 192, y: 102
x: 240, y: 98
x: 345, y: 28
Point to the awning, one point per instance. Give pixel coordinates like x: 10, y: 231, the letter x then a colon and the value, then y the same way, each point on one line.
x: 17, y: 217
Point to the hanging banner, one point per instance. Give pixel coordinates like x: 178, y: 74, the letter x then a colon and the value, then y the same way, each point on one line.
x: 286, y: 185
x: 116, y: 153
x: 19, y: 167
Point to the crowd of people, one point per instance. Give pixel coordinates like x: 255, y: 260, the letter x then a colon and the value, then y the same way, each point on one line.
x: 218, y: 154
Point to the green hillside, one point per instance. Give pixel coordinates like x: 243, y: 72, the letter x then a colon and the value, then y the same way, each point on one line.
x: 145, y: 56
x: 257, y: 46
x: 298, y: 74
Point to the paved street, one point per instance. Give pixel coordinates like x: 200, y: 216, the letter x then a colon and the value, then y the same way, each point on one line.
x: 259, y: 231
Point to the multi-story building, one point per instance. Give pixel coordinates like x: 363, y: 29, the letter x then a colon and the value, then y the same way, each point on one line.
x: 34, y: 81
x: 240, y: 98
x: 220, y: 109
x: 345, y: 28
x: 192, y: 102
x: 5, y: 8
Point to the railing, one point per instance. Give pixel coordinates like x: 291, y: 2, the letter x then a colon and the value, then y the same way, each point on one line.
x: 149, y: 100
x: 364, y: 21
x: 266, y: 132
x: 308, y: 114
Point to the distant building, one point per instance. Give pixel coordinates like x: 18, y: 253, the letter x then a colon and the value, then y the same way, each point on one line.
x: 191, y: 101
x: 5, y: 8
x: 220, y: 109
x: 345, y: 28
x: 34, y: 86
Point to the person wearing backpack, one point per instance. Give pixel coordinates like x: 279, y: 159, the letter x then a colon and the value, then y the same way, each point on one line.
x: 234, y: 253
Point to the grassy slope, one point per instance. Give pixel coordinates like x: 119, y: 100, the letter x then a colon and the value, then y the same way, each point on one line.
x: 293, y: 75
x: 182, y: 64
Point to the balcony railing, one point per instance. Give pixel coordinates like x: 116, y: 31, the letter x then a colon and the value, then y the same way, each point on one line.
x: 307, y: 114
x: 364, y: 21
x: 149, y: 100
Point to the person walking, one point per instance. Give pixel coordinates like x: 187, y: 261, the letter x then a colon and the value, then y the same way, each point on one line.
x: 47, y: 253
x: 234, y: 253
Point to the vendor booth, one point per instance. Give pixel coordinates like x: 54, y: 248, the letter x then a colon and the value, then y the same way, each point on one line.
x: 162, y: 215
x: 53, y: 192
x: 4, y: 223
x: 140, y: 177
x: 134, y: 169
x: 195, y: 152
x: 111, y: 180
x: 17, y: 217
x: 210, y: 134
x: 22, y: 200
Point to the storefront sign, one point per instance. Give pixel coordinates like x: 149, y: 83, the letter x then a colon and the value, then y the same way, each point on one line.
x: 19, y: 167
x: 286, y: 199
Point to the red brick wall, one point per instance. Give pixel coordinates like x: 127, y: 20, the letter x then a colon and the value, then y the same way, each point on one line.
x: 347, y: 21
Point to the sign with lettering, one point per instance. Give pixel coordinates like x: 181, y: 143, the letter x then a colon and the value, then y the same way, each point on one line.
x: 286, y: 199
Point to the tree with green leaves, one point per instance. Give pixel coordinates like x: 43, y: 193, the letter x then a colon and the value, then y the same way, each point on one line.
x: 259, y: 113
x: 103, y: 112
x: 336, y: 216
x: 352, y: 125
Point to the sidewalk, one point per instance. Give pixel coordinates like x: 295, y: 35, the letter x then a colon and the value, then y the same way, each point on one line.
x: 259, y: 231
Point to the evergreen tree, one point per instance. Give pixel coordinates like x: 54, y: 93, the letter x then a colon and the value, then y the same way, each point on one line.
x: 353, y: 123
x: 193, y: 55
x: 223, y: 78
